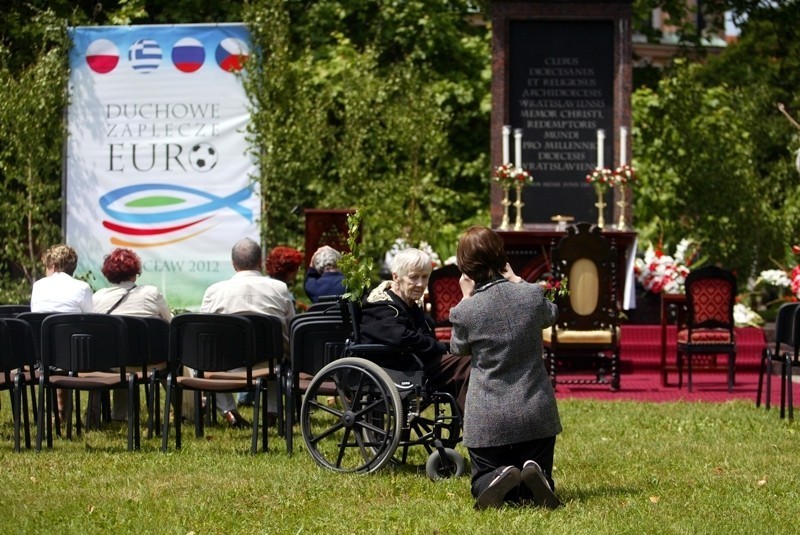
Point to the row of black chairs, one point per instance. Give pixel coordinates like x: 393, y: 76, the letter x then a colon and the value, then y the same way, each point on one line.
x: 76, y: 352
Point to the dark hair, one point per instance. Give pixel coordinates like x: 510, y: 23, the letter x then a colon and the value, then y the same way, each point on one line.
x: 481, y: 255
x: 121, y: 265
x: 283, y: 262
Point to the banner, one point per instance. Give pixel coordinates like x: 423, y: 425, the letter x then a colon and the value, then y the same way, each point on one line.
x: 157, y: 157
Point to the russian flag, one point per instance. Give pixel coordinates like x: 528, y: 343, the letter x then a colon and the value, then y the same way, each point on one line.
x: 188, y: 54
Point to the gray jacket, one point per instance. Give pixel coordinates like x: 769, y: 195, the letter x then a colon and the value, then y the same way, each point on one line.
x: 510, y: 398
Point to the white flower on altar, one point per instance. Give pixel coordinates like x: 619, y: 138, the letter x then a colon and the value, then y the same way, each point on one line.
x: 745, y: 316
x: 774, y: 277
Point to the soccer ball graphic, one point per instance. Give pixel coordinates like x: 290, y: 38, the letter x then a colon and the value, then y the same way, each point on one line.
x: 203, y: 157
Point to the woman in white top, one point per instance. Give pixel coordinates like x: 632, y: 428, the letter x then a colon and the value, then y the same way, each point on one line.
x: 58, y: 291
x: 124, y: 297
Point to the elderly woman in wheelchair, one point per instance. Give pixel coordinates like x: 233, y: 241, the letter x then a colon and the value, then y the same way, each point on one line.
x: 395, y: 387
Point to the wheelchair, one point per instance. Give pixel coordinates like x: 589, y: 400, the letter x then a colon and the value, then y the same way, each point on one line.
x: 371, y: 405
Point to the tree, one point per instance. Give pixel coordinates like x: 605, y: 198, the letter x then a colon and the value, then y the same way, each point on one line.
x: 715, y: 128
x: 32, y: 131
x: 355, y: 103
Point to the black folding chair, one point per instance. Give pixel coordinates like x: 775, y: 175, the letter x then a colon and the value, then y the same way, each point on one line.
x: 77, y: 352
x: 212, y: 345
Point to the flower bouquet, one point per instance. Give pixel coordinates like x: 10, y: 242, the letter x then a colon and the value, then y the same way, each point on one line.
x: 509, y: 174
x: 624, y: 175
x: 601, y: 178
x: 555, y: 289
x: 658, y: 272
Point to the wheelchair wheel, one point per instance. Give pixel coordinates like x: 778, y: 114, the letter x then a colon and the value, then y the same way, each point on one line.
x: 358, y: 428
x: 441, y: 467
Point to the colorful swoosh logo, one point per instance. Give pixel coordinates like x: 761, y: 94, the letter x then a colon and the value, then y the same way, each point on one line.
x: 168, y: 212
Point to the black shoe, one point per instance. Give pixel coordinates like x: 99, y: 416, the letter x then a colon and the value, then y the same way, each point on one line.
x: 235, y: 419
x: 495, y: 493
x: 534, y: 479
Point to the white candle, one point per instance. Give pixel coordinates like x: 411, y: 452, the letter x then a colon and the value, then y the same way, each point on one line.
x: 623, y: 145
x: 518, y: 148
x: 601, y: 136
x: 506, y: 136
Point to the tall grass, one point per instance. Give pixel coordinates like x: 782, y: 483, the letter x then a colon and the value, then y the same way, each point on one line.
x: 621, y: 467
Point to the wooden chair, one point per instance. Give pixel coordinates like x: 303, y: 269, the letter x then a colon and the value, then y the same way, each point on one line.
x: 444, y: 292
x: 709, y: 330
x: 587, y: 332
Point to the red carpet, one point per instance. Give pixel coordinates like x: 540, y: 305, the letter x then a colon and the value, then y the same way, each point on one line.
x: 641, y: 380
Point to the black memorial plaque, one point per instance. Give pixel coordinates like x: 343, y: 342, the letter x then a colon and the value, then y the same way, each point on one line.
x: 561, y: 92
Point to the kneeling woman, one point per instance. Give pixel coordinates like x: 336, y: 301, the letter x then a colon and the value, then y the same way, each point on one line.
x: 511, y: 417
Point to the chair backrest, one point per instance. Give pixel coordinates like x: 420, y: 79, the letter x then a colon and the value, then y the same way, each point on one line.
x: 315, y: 342
x: 84, y: 342
x: 444, y: 292
x: 16, y: 348
x: 11, y: 311
x: 17, y: 344
x: 710, y: 298
x: 269, y: 337
x: 785, y: 327
x: 158, y: 339
x: 212, y: 342
x: 35, y: 319
x: 588, y: 260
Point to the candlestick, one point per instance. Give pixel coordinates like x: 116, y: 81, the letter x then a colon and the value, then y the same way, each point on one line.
x: 623, y: 145
x: 506, y: 203
x: 518, y: 204
x: 506, y: 153
x: 518, y: 148
x: 601, y: 136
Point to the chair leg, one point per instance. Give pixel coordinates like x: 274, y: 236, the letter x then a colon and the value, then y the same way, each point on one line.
x: 167, y: 401
x: 731, y: 371
x: 761, y: 377
x: 784, y: 385
x: 768, y: 372
x: 790, y: 398
x: 689, y: 371
x: 680, y: 370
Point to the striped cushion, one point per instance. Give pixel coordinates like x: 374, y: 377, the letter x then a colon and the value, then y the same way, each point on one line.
x: 705, y: 336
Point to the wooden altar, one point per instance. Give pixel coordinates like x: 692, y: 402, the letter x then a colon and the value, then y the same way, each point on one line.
x: 528, y: 253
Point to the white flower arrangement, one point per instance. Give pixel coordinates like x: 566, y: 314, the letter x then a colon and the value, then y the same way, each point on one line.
x: 745, y: 316
x: 774, y: 277
x: 658, y: 272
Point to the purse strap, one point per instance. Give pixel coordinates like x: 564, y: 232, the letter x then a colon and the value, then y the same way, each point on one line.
x: 119, y: 301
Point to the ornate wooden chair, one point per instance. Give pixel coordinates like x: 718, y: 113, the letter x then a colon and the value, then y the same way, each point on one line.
x: 444, y: 293
x: 587, y: 332
x: 709, y: 329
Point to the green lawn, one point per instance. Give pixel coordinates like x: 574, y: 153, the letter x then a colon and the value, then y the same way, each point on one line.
x: 621, y: 467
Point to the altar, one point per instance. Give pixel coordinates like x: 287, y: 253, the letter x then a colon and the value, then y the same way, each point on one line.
x: 528, y: 253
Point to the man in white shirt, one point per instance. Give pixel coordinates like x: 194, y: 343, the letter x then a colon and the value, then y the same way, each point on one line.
x: 248, y: 291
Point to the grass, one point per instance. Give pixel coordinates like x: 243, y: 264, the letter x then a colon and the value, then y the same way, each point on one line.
x: 621, y: 467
